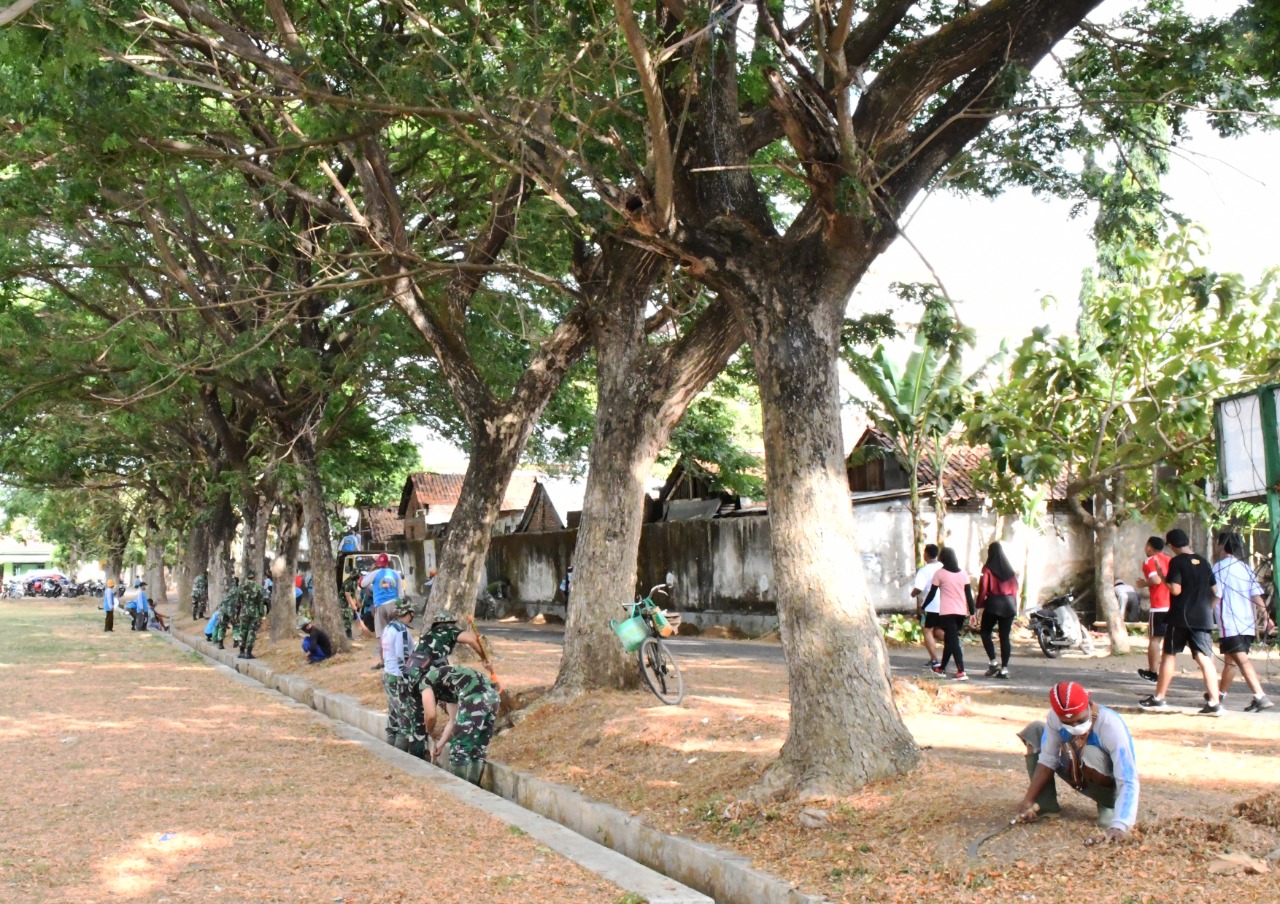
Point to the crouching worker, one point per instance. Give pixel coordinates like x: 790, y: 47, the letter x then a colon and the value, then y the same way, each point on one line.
x: 316, y: 644
x: 1090, y: 748
x: 472, y: 703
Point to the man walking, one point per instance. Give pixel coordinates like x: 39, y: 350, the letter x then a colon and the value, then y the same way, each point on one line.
x: 930, y: 626
x: 253, y: 606
x: 1154, y: 570
x: 388, y: 589
x: 1240, y: 601
x: 1192, y: 589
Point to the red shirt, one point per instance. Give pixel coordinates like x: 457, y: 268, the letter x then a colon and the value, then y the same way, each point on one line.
x: 1157, y: 565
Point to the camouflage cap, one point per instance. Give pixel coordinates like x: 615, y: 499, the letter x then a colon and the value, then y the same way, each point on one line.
x: 403, y: 608
x: 443, y: 616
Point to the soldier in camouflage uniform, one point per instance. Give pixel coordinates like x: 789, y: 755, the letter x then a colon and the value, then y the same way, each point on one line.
x: 199, y: 597
x: 253, y: 606
x: 351, y: 601
x: 473, y: 701
x: 439, y: 641
x: 228, y: 612
x: 433, y: 649
x: 396, y: 643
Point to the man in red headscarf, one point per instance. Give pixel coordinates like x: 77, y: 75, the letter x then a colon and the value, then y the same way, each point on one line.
x: 1089, y: 747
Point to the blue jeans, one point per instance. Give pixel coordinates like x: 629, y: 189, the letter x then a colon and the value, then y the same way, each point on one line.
x: 313, y: 651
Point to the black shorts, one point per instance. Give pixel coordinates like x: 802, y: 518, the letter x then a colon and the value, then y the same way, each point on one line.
x: 1158, y: 620
x: 932, y: 620
x: 1177, y: 639
x: 1239, y: 643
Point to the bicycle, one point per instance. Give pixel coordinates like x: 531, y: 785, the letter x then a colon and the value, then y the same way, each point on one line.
x: 642, y: 633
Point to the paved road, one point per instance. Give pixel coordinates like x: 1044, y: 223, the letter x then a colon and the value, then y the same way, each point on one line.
x: 1114, y: 684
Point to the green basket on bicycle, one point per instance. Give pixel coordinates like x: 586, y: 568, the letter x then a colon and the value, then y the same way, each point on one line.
x: 631, y: 632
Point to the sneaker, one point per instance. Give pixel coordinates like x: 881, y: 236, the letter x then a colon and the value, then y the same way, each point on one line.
x: 992, y: 670
x: 1258, y: 704
x: 1148, y: 675
x: 1222, y: 698
x: 961, y: 676
x: 938, y: 672
x: 1003, y: 674
x: 1210, y: 709
x: 1150, y: 701
x: 933, y: 664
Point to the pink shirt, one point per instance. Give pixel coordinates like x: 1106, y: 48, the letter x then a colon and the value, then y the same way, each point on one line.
x: 951, y: 586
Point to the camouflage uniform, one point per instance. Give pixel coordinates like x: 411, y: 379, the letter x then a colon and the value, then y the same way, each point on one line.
x: 253, y: 606
x: 350, y: 587
x: 229, y: 612
x: 400, y: 726
x: 433, y: 650
x: 199, y: 597
x: 477, y: 701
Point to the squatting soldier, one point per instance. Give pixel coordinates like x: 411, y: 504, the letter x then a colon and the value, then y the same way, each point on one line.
x: 472, y: 702
x: 253, y: 606
x: 396, y: 644
x: 434, y: 647
x: 199, y: 597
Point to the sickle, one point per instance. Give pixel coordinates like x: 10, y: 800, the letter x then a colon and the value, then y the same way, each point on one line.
x: 983, y: 839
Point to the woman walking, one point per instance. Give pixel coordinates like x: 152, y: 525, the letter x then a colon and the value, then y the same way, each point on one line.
x: 955, y: 596
x: 998, y: 601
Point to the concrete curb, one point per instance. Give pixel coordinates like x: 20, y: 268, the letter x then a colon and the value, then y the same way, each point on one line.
x: 679, y: 862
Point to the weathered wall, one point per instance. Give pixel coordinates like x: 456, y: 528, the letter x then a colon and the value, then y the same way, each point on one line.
x: 724, y: 564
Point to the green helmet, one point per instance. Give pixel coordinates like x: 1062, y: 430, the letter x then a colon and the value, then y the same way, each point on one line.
x: 302, y: 622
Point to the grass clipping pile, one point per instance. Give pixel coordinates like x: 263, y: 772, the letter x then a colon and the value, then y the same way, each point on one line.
x: 683, y: 770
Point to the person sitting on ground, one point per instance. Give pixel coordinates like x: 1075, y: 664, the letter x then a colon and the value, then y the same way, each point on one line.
x: 998, y: 600
x: 930, y: 625
x: 1192, y: 590
x: 951, y: 586
x: 1089, y: 747
x: 316, y: 644
x: 472, y: 703
x: 1240, y: 610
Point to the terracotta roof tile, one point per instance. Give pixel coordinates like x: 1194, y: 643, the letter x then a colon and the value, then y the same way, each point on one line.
x: 383, y: 521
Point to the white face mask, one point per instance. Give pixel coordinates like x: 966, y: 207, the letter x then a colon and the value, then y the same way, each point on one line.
x: 1081, y: 729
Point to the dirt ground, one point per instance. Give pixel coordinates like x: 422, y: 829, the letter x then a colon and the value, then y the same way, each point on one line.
x: 137, y: 773
x: 684, y: 769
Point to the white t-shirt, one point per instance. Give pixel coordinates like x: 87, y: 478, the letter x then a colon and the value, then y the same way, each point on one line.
x: 396, y: 644
x: 1237, y: 585
x: 924, y: 580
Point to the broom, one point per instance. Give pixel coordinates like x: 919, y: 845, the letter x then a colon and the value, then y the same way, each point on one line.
x: 506, y: 702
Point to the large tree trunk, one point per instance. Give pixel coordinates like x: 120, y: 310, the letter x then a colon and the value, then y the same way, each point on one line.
x: 222, y: 527
x: 324, y: 604
x: 155, y: 574
x: 1104, y: 580
x: 284, y: 565
x: 195, y: 561
x: 495, y: 452
x: 250, y: 557
x: 643, y: 391
x: 844, y: 730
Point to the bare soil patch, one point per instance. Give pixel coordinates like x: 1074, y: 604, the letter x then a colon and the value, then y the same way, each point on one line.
x: 686, y: 769
x: 137, y: 773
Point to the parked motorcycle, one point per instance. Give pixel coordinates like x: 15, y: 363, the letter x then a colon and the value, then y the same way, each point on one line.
x: 1058, y: 628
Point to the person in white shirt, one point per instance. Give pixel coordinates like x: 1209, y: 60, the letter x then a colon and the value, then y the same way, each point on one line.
x: 396, y: 645
x: 1236, y: 612
x: 931, y: 627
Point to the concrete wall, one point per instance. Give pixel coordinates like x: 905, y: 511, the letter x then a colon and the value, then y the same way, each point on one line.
x: 724, y: 565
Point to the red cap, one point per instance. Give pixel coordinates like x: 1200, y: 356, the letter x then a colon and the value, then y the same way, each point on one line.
x: 382, y: 561
x: 1068, y: 699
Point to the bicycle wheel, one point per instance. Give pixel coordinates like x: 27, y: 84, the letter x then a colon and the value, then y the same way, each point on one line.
x: 661, y: 671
